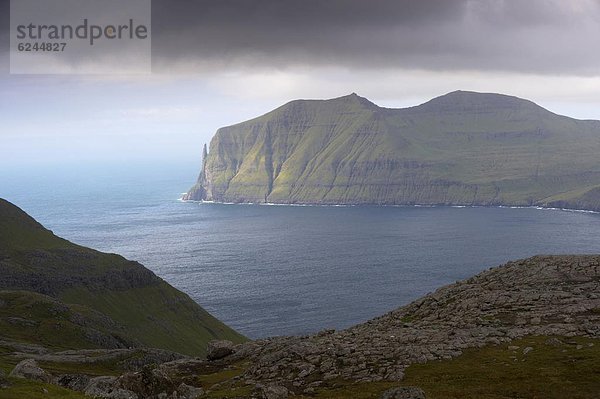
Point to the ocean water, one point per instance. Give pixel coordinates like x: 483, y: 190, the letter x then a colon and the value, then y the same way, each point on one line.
x: 275, y: 270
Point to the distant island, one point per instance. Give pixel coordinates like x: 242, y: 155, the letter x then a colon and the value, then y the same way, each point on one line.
x: 463, y: 148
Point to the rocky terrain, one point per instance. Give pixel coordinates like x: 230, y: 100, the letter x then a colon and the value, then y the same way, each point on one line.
x: 537, y: 296
x: 463, y: 148
x: 554, y: 297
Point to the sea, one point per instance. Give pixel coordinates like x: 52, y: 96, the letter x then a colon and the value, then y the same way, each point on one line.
x: 280, y: 270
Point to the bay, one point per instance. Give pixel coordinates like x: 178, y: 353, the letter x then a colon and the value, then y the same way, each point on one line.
x: 279, y: 270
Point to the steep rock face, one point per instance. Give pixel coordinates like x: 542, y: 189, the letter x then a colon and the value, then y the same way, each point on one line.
x: 462, y: 148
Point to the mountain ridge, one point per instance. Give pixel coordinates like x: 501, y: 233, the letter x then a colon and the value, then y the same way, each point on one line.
x: 462, y: 148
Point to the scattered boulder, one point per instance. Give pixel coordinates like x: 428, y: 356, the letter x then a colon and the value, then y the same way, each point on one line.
x: 219, y: 349
x: 274, y: 391
x: 527, y: 350
x: 189, y: 392
x: 30, y: 370
x: 107, y: 388
x: 404, y: 393
x: 75, y: 382
x: 553, y: 342
x: 147, y: 382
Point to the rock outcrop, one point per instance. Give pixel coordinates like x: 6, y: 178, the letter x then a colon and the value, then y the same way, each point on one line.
x: 30, y: 370
x: 463, y: 148
x: 543, y: 295
x: 219, y: 349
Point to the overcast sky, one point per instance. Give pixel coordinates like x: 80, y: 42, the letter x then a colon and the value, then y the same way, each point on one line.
x: 223, y: 61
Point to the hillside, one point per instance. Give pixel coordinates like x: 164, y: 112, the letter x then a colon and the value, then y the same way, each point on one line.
x: 60, y: 295
x: 463, y: 148
x: 528, y: 329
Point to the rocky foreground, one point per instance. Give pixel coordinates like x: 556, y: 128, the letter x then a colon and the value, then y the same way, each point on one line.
x: 542, y: 296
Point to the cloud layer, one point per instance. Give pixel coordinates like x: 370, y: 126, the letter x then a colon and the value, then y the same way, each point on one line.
x: 533, y: 36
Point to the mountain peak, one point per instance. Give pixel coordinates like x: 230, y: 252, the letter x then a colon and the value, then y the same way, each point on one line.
x: 355, y: 98
x: 461, y: 100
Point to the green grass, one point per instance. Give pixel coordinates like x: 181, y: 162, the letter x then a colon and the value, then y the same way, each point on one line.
x: 26, y: 389
x: 218, y: 384
x: 38, y: 319
x: 159, y: 316
x: 495, y: 372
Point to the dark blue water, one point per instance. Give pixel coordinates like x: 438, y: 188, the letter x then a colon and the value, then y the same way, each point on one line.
x: 271, y: 270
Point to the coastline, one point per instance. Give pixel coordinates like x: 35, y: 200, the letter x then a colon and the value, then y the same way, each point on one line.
x: 537, y: 207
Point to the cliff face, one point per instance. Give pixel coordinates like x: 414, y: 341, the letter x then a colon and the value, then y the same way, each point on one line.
x: 463, y: 148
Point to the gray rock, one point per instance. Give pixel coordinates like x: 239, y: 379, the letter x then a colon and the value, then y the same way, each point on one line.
x: 147, y: 382
x: 189, y: 392
x: 553, y: 342
x: 75, y: 382
x: 219, y: 349
x: 30, y: 370
x: 107, y: 388
x: 404, y: 393
x: 527, y: 350
x: 274, y: 392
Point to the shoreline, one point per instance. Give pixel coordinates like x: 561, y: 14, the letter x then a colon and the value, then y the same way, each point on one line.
x: 537, y: 207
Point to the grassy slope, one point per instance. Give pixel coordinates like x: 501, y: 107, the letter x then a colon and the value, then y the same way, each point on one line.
x: 462, y: 148
x: 147, y: 309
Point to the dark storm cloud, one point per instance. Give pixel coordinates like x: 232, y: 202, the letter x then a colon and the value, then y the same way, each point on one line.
x: 4, y: 38
x: 538, y: 36
x: 530, y: 36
